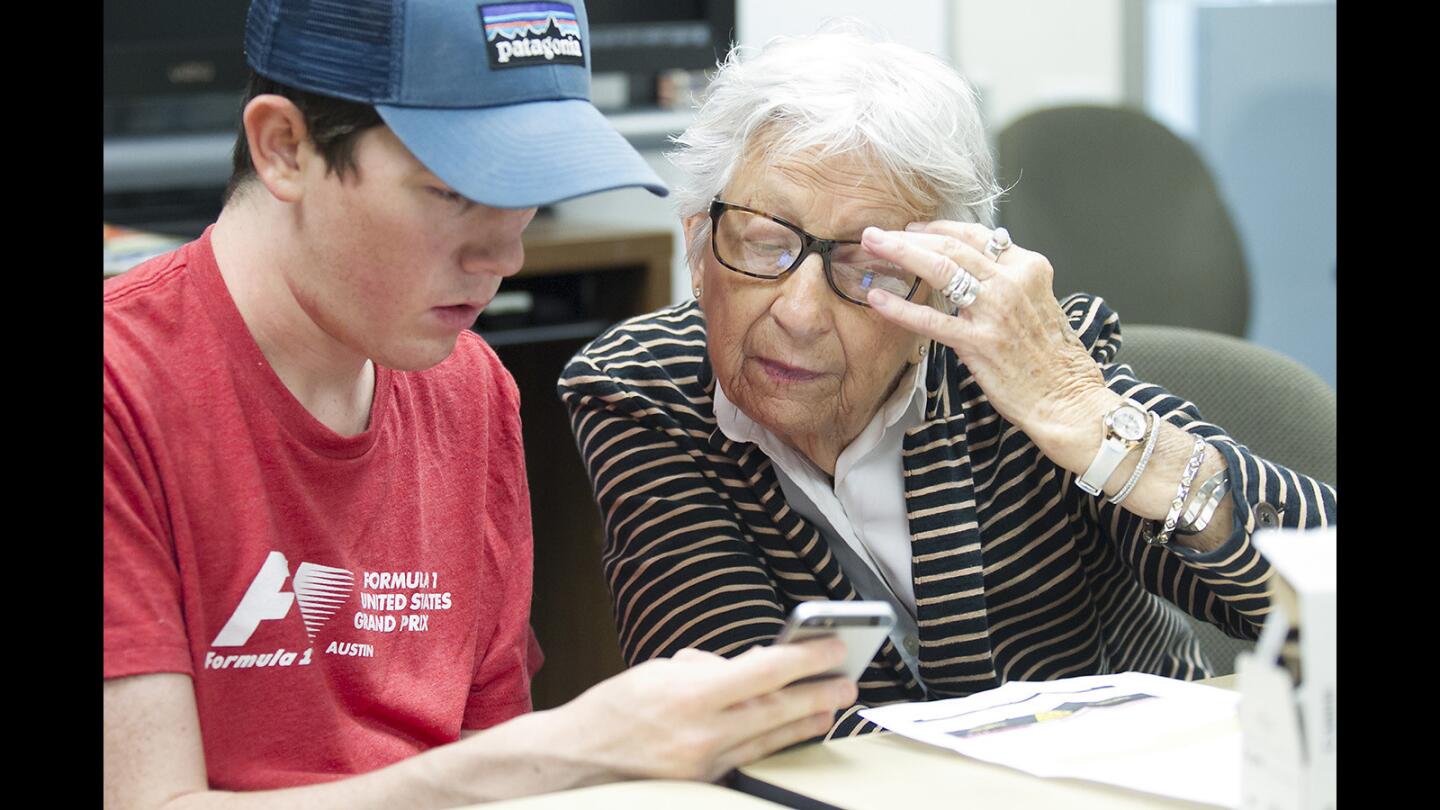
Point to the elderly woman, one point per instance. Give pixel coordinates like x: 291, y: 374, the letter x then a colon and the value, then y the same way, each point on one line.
x: 876, y: 395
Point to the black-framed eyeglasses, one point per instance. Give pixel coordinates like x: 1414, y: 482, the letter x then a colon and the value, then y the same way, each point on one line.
x: 761, y: 245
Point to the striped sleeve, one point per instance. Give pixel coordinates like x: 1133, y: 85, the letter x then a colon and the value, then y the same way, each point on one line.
x: 680, y: 569
x: 1227, y: 586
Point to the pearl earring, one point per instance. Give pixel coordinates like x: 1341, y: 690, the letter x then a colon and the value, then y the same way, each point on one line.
x: 697, y: 292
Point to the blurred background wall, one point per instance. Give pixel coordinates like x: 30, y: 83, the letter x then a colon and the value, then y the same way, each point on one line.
x: 1249, y: 85
x: 1241, y: 93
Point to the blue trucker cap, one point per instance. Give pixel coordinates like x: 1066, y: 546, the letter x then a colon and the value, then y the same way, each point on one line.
x: 494, y: 98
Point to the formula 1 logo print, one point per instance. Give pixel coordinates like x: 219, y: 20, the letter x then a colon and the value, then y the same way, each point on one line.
x: 320, y: 590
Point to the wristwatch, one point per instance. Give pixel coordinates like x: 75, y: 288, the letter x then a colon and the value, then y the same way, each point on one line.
x: 1124, y: 430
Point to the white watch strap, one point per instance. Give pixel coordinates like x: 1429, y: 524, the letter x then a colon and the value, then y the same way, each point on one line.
x: 1112, y: 450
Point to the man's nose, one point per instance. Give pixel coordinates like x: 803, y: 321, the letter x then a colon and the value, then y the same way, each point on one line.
x: 498, y: 248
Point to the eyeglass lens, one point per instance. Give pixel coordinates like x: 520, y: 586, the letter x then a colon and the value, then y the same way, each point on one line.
x: 758, y: 245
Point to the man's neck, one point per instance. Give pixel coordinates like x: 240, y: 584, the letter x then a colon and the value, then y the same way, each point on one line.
x: 253, y: 241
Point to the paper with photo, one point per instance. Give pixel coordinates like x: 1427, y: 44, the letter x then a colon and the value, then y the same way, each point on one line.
x: 1143, y: 732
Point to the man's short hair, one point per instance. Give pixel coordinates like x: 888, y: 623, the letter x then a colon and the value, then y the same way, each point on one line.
x: 333, y: 125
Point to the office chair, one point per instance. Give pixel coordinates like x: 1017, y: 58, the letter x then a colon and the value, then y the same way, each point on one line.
x: 1124, y: 209
x: 1279, y: 409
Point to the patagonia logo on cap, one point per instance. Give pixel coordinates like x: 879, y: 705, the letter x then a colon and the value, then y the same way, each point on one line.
x: 528, y: 34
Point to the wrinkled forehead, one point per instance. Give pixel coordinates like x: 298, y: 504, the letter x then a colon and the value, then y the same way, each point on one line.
x: 833, y: 193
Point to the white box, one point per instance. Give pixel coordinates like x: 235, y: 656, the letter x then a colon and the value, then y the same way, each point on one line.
x: 1288, y: 729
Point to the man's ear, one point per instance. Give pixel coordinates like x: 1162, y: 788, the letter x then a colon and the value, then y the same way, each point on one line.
x: 279, y: 141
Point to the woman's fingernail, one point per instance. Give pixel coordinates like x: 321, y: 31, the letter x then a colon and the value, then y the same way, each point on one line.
x: 915, y: 226
x: 875, y: 236
x: 878, y: 299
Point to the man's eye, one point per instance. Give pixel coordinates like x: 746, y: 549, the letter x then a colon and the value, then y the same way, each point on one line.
x: 448, y: 195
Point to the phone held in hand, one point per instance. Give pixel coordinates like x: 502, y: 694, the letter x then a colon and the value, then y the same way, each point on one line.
x: 861, y: 625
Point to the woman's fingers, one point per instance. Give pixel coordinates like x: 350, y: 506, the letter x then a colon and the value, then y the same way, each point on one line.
x: 968, y: 244
x: 934, y: 258
x: 918, y: 318
x: 1014, y: 300
x: 973, y: 235
x: 972, y: 232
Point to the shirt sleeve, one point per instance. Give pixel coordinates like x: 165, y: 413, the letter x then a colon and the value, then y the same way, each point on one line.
x: 1227, y: 587
x: 501, y: 687
x: 679, y: 568
x: 144, y: 627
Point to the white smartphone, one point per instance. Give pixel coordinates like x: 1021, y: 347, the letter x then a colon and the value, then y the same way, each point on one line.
x: 861, y: 625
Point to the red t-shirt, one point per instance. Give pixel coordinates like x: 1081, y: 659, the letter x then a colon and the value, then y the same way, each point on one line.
x: 340, y: 603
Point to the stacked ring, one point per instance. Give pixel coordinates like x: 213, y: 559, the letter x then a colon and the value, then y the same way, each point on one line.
x: 963, y: 288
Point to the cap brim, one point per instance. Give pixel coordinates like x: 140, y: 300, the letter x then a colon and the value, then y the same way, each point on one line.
x: 522, y: 155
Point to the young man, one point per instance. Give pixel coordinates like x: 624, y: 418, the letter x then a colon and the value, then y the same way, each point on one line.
x: 317, y: 539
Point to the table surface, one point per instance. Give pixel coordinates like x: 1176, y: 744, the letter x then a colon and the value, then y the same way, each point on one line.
x: 639, y: 796
x: 882, y: 771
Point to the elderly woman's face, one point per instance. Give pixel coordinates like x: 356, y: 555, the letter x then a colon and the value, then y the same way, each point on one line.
x: 790, y: 353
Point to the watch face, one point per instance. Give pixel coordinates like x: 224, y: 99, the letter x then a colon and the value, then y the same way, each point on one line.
x: 1128, y: 423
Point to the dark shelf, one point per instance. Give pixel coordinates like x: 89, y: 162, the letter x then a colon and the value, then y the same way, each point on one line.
x: 548, y: 333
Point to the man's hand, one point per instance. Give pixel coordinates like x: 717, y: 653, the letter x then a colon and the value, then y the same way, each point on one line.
x: 694, y: 716
x: 698, y: 715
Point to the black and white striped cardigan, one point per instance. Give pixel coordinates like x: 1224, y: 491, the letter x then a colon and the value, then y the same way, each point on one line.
x: 1018, y: 574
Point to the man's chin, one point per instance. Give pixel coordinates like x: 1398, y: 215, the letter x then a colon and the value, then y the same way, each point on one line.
x: 420, y: 356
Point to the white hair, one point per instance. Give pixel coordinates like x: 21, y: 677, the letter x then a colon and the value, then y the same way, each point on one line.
x: 841, y: 90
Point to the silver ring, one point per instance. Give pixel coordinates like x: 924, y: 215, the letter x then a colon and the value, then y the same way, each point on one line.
x: 999, y: 243
x: 956, y: 279
x: 963, y: 288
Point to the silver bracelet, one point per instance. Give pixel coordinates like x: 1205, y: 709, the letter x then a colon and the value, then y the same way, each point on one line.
x: 1144, y: 458
x: 1176, y: 506
x: 1206, y: 501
